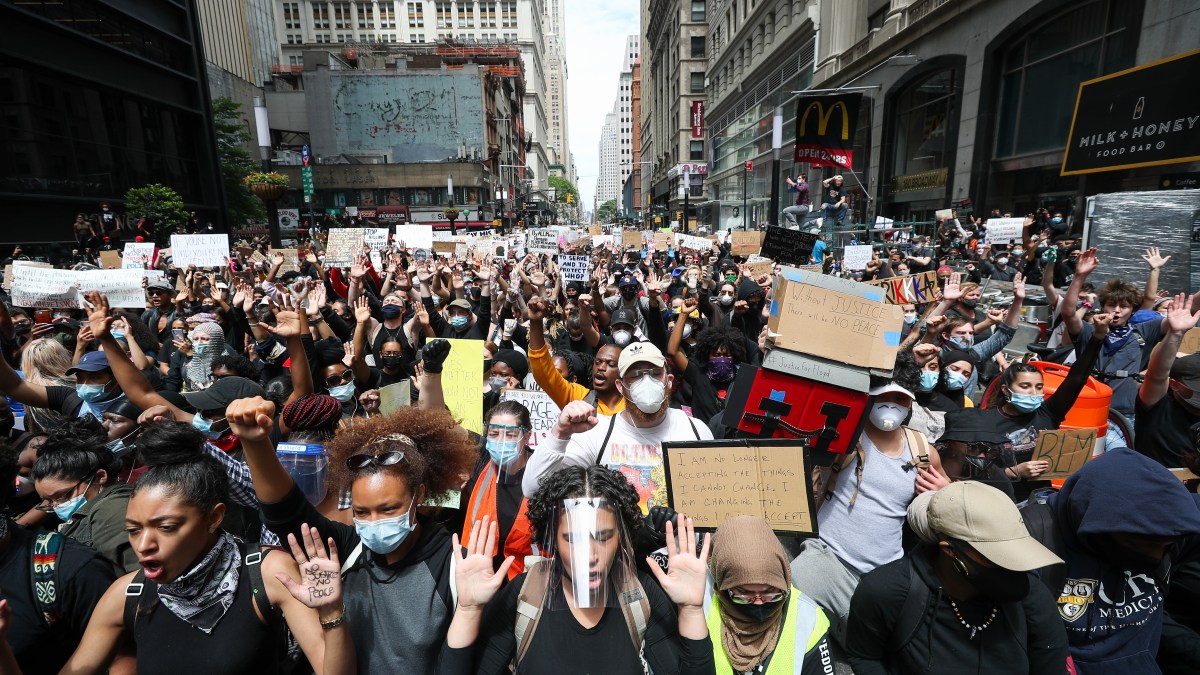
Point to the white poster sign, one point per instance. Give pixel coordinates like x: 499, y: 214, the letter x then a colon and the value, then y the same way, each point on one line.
x: 1004, y: 230
x: 137, y: 255
x: 44, y: 287
x: 543, y: 241
x: 123, y: 287
x: 857, y: 257
x: 542, y: 411
x: 575, y: 267
x: 415, y: 236
x: 201, y: 250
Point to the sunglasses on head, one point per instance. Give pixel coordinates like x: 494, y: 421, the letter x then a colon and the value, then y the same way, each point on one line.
x: 389, y: 458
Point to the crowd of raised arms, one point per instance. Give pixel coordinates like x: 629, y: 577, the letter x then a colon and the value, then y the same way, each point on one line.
x: 266, y: 469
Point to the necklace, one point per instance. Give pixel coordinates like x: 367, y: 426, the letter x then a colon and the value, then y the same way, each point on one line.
x: 973, y: 629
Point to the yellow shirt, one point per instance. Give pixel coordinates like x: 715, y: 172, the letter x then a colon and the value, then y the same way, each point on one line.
x: 541, y: 364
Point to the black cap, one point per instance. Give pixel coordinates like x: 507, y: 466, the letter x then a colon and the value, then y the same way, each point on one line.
x: 971, y: 425
x: 625, y: 316
x: 223, y: 392
x: 1186, y: 371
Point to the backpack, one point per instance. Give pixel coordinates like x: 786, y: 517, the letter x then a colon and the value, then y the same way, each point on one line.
x: 825, y: 478
x: 47, y: 549
x: 634, y: 606
x: 1039, y: 520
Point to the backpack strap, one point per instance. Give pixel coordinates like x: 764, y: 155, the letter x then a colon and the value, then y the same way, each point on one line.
x: 612, y: 422
x: 47, y: 549
x: 252, y: 556
x: 529, y: 606
x: 916, y: 601
x: 918, y: 447
x: 140, y: 598
x: 692, y: 424
x: 636, y: 608
x: 825, y: 479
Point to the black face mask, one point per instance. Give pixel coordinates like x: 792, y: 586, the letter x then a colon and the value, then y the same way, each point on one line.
x: 761, y: 612
x: 1126, y: 559
x: 629, y: 292
x: 995, y: 583
x: 392, y: 362
x: 969, y: 304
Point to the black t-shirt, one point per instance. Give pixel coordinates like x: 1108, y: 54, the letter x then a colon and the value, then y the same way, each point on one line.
x: 64, y: 400
x: 833, y: 193
x: 83, y: 577
x: 1164, y: 431
x: 1022, y: 431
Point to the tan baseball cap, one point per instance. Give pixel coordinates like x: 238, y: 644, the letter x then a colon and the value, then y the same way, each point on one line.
x: 987, y: 519
x: 639, y: 352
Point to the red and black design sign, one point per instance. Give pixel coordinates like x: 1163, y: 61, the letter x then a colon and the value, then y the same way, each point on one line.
x: 825, y: 128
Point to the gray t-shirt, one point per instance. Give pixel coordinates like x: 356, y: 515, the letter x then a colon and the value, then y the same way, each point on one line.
x: 1130, y: 357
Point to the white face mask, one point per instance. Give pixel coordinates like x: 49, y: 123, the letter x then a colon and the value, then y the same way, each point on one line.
x: 887, y: 416
x: 687, y: 331
x: 648, y: 394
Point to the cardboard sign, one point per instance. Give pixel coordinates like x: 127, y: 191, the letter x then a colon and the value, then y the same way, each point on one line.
x: 746, y: 243
x: 575, y: 267
x: 344, y: 246
x: 857, y: 257
x: 201, y: 250
x: 788, y: 246
x: 912, y: 289
x: 291, y: 259
x: 123, y: 287
x: 662, y: 240
x: 137, y: 255
x: 543, y: 240
x: 815, y: 269
x: 462, y: 383
x: 1004, y: 230
x: 595, y: 230
x: 1191, y: 342
x: 44, y: 287
x: 110, y: 260
x: 835, y: 319
x: 444, y: 247
x: 1065, y: 449
x: 943, y: 214
x: 631, y: 239
x: 713, y: 481
x: 395, y: 396
x: 760, y: 268
x: 543, y: 413
x: 415, y: 236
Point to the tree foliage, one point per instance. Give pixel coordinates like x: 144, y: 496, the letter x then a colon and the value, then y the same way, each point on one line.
x: 236, y: 162
x: 562, y: 188
x: 607, y: 212
x: 162, y: 205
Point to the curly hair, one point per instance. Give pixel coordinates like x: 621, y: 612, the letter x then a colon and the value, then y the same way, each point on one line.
x: 574, y: 481
x: 138, y: 330
x: 714, y: 337
x: 1119, y: 292
x: 444, y: 452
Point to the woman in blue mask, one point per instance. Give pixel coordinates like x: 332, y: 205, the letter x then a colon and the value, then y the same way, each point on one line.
x: 397, y: 559
x: 494, y: 489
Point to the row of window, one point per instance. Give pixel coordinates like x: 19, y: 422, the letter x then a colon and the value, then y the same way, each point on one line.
x: 414, y: 38
x: 360, y: 14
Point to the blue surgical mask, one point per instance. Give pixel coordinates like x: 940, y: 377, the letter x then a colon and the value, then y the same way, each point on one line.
x: 459, y: 322
x: 205, y: 427
x: 955, y: 381
x: 90, y: 392
x: 343, y: 392
x: 1026, y: 403
x: 386, y: 534
x: 929, y: 380
x: 65, y: 510
x: 117, y: 334
x: 1056, y: 220
x: 503, y: 452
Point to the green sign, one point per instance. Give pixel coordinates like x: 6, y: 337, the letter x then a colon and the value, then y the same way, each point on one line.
x: 307, y: 179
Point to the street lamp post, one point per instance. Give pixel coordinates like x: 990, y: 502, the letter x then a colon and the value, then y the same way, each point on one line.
x: 263, y: 127
x: 451, y: 212
x: 687, y: 193
x: 776, y: 146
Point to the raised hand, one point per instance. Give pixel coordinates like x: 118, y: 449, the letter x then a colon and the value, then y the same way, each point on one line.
x: 686, y: 576
x: 924, y: 353
x: 1180, y: 318
x: 1087, y: 263
x: 576, y: 418
x: 953, y: 290
x: 474, y: 577
x: 320, y: 585
x: 434, y: 354
x: 1153, y: 259
x: 251, y: 418
x: 1019, y: 286
x: 1101, y: 323
x: 422, y: 316
x: 997, y: 315
x: 537, y: 309
x: 287, y: 324
x: 359, y: 269
x: 369, y: 400
x: 362, y: 309
x: 98, y: 318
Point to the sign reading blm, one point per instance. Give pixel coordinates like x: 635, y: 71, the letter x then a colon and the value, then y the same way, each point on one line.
x: 825, y: 128
x: 1144, y: 116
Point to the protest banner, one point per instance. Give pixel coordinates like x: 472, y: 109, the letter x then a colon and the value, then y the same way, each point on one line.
x: 395, y: 396
x: 575, y: 267
x: 745, y: 243
x: 760, y: 267
x: 543, y: 240
x: 415, y: 236
x: 713, y: 481
x: 462, y: 383
x: 915, y: 288
x: 291, y: 259
x: 1065, y: 449
x: 631, y: 239
x: 344, y: 246
x: 8, y: 270
x: 1004, y: 230
x: 110, y: 260
x: 857, y: 257
x: 882, y: 223
x: 543, y: 413
x: 815, y: 269
x: 44, y: 287
x: 689, y: 243
x: 201, y: 250
x: 835, y: 319
x: 137, y: 255
x: 123, y: 287
x: 788, y: 246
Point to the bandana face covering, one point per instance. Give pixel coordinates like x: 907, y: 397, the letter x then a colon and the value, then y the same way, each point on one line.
x: 203, y: 594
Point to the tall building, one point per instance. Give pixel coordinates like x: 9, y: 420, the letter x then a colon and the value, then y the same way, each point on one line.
x: 674, y: 48
x: 558, y: 136
x: 96, y: 102
x: 608, y: 185
x: 634, y: 181
x: 239, y: 37
x: 614, y: 174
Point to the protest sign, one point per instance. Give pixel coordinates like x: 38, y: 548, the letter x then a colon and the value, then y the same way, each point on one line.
x: 110, y: 260
x: 137, y: 255
x: 745, y: 243
x: 376, y: 238
x: 201, y: 250
x: 788, y: 246
x: 8, y: 270
x: 857, y: 257
x: 575, y: 267
x: 713, y: 481
x: 1065, y: 449
x: 599, y: 240
x: 544, y: 240
x: 882, y: 223
x: 835, y: 319
x: 760, y: 267
x: 915, y: 288
x: 815, y: 269
x: 462, y: 383
x: 1004, y: 230
x: 662, y: 240
x: 445, y: 248
x: 291, y: 259
x: 595, y: 230
x: 631, y: 239
x: 943, y: 214
x: 1191, y: 342
x: 44, y: 287
x: 543, y: 413
x: 344, y: 246
x: 123, y: 287
x: 395, y: 396
x: 415, y: 236
x: 690, y: 243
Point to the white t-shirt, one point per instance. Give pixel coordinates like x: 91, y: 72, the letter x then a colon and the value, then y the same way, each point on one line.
x: 634, y: 451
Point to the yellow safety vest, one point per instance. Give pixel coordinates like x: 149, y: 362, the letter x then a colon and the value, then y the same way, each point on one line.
x: 801, y: 612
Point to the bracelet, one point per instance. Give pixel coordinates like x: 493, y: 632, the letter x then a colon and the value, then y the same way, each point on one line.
x: 334, y: 623
x: 252, y: 325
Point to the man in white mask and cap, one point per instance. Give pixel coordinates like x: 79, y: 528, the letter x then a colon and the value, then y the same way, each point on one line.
x: 630, y: 441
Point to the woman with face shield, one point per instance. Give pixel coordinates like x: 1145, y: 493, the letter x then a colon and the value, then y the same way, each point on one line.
x: 586, y: 608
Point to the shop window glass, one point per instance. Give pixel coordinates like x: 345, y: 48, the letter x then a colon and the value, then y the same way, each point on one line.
x: 926, y: 116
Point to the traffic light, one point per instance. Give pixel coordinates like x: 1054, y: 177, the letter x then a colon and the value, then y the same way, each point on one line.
x: 679, y: 215
x: 570, y: 198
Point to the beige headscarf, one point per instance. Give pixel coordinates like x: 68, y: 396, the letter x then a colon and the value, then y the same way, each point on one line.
x: 745, y: 551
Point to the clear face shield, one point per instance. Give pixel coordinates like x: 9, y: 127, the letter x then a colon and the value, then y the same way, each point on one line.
x: 593, y: 555
x: 505, y: 446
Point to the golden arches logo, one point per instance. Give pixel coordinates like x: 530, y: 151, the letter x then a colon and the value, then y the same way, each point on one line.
x: 823, y: 117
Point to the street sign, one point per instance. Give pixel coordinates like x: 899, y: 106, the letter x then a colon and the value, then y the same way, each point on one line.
x: 749, y: 166
x: 304, y: 155
x: 307, y: 178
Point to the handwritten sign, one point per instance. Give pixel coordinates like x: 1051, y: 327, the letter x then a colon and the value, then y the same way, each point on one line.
x: 395, y: 396
x: 543, y: 240
x: 1065, y: 449
x: 857, y: 257
x: 44, y: 287
x: 760, y: 268
x: 462, y: 383
x: 110, y: 260
x: 713, y: 481
x: 415, y: 236
x: 543, y: 413
x: 943, y: 214
x: 445, y: 248
x: 291, y: 262
x: 746, y: 243
x: 913, y: 289
x: 344, y: 246
x: 1004, y: 230
x: 575, y: 267
x: 788, y: 246
x: 631, y: 239
x: 201, y: 250
x: 138, y: 255
x: 123, y: 287
x: 689, y: 243
x: 595, y: 230
x: 1191, y: 342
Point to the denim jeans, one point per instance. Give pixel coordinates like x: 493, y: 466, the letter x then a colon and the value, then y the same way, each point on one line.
x: 794, y: 215
x: 837, y: 213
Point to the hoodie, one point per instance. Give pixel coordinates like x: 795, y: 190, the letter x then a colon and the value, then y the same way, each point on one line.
x: 1114, y: 617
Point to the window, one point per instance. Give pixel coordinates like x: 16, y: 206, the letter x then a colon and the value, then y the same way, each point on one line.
x: 696, y: 150
x: 487, y: 15
x: 416, y: 15
x: 387, y: 15
x: 295, y: 60
x: 320, y: 15
x: 322, y: 39
x: 876, y: 20
x: 698, y: 47
x: 341, y: 15
x: 466, y: 15
x: 508, y: 14
x: 698, y: 10
x: 445, y: 15
x: 363, y: 10
x: 697, y: 82
x: 926, y: 116
x: 341, y: 37
x: 291, y: 15
x: 416, y: 38
x: 295, y: 39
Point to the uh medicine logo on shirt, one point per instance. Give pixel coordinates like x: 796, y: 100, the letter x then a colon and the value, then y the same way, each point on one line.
x: 1136, y: 599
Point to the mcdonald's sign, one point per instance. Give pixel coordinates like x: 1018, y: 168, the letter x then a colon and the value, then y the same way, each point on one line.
x: 825, y: 128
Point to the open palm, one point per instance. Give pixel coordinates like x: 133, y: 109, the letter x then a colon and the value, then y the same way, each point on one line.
x: 474, y: 577
x: 320, y: 572
x: 687, y: 573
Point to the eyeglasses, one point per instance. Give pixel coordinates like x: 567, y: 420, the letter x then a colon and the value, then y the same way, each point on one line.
x: 389, y: 458
x: 634, y: 375
x: 748, y: 598
x: 345, y: 377
x: 48, y: 504
x: 503, y: 432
